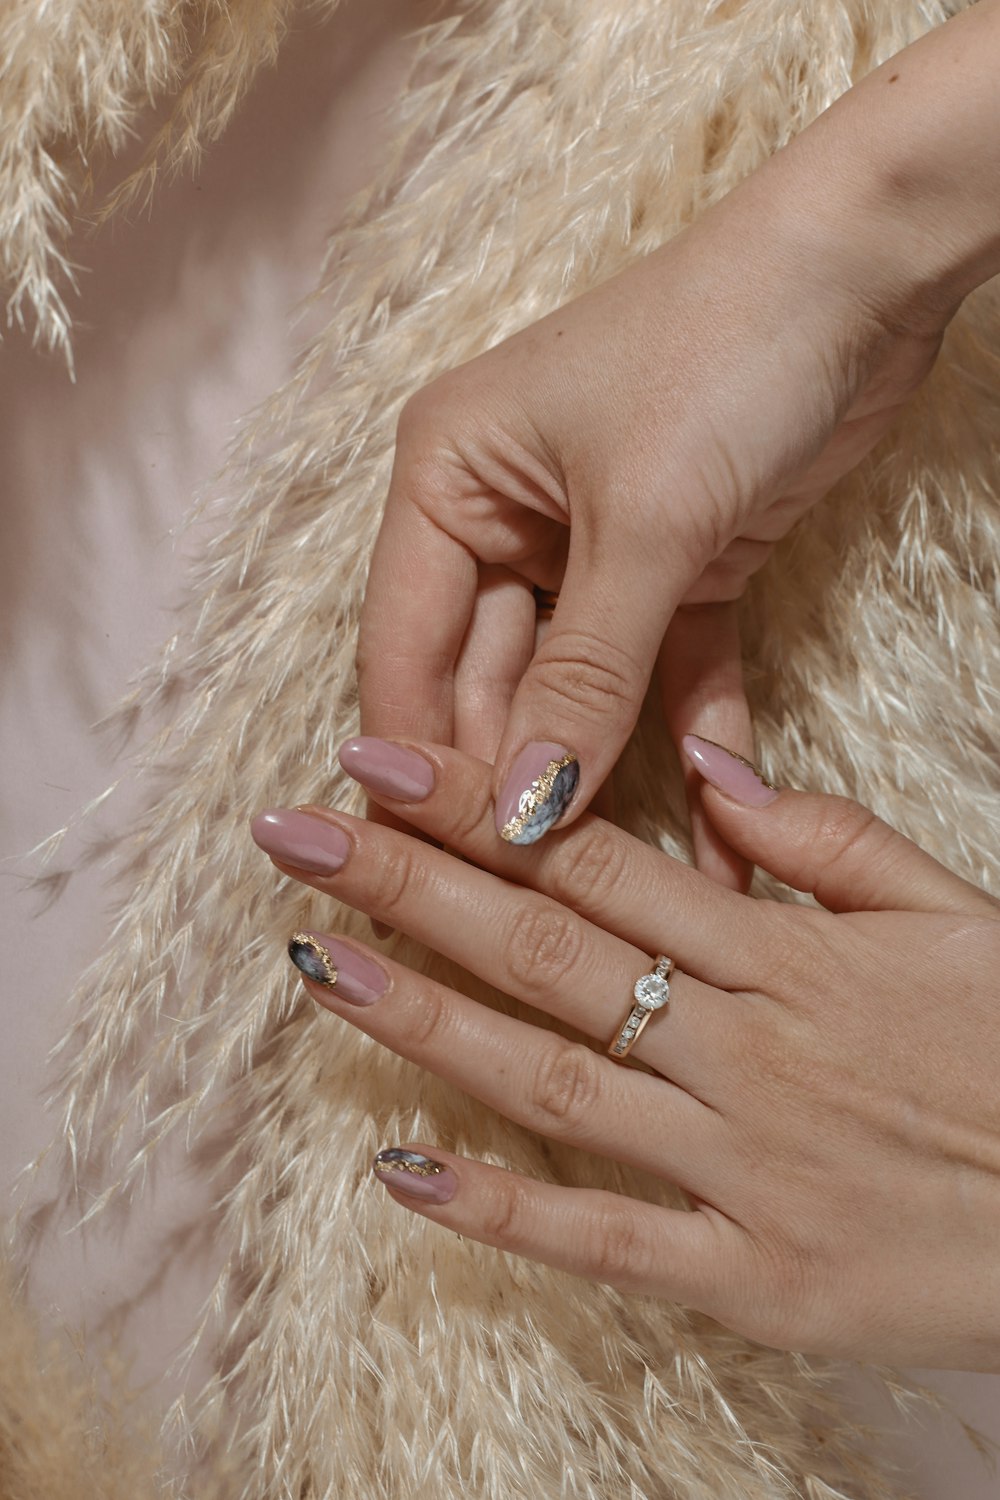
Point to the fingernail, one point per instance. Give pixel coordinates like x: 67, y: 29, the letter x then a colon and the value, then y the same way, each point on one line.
x: 337, y: 967
x: 538, y: 790
x: 298, y: 839
x: 388, y: 769
x: 419, y: 1176
x: 382, y: 930
x: 731, y: 773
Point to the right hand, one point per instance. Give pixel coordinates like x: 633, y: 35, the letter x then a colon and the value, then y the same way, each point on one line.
x: 639, y: 450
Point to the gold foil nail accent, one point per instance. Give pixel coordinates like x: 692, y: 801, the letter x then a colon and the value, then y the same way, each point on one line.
x: 535, y: 798
x: 742, y: 760
x: 416, y: 1166
x: 318, y: 965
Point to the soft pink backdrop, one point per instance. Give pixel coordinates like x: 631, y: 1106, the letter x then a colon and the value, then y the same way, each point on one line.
x: 185, y: 324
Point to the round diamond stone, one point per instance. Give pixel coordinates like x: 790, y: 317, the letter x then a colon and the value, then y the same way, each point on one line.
x: 651, y: 991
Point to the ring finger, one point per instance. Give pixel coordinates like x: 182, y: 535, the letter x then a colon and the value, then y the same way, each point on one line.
x: 527, y: 944
x: 533, y: 1076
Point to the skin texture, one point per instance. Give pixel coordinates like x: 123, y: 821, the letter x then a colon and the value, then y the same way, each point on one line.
x: 822, y: 1084
x: 642, y: 448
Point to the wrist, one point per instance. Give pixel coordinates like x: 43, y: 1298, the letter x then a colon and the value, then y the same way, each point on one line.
x: 907, y: 164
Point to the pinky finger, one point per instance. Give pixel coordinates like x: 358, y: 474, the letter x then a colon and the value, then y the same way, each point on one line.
x: 633, y: 1246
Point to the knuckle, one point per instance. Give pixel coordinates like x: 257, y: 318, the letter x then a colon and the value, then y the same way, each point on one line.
x: 424, y: 428
x: 430, y: 1019
x: 796, y: 946
x: 504, y: 1218
x: 840, y: 828
x: 589, y: 675
x: 467, y: 811
x: 544, y: 947
x: 787, y: 1299
x: 397, y: 880
x: 565, y: 1087
x: 599, y: 861
x: 619, y: 1254
x: 417, y: 414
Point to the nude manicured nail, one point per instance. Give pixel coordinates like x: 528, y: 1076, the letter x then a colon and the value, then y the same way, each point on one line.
x: 388, y: 769
x: 731, y: 773
x: 539, y: 787
x: 418, y: 1176
x: 337, y: 967
x: 298, y: 839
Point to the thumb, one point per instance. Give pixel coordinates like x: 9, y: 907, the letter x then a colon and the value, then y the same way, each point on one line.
x: 578, y: 701
x: 832, y: 847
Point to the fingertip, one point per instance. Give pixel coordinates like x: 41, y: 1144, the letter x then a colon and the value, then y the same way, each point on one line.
x: 415, y: 1176
x: 536, y: 793
x: 729, y: 772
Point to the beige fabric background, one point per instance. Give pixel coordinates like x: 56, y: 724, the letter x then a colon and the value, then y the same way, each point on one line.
x: 185, y: 325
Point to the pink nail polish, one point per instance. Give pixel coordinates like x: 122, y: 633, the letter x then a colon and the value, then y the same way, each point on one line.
x: 730, y: 772
x: 388, y: 769
x: 539, y: 787
x: 298, y: 839
x: 417, y: 1176
x: 337, y: 967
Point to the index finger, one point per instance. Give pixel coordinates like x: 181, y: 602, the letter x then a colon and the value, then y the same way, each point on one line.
x: 418, y: 603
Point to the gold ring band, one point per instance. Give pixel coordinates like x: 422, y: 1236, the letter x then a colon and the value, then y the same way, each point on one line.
x: 651, y: 992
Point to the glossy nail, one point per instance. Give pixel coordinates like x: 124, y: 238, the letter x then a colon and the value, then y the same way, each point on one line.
x: 388, y: 769
x: 539, y: 788
x: 331, y: 963
x: 731, y: 773
x: 418, y: 1176
x: 297, y: 838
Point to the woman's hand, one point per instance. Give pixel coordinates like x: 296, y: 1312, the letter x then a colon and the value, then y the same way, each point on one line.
x: 823, y: 1084
x: 642, y: 448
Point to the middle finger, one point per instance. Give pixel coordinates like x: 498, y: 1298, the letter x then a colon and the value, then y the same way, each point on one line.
x: 602, y: 872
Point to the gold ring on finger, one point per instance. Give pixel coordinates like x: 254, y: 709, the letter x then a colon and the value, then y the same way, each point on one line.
x: 651, y: 992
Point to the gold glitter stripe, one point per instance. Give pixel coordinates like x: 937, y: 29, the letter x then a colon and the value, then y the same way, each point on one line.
x: 303, y: 940
x: 541, y: 791
x: 743, y: 762
x: 416, y: 1169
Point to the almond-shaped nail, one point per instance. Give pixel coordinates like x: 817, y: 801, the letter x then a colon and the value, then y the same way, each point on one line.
x: 335, y: 966
x: 386, y: 769
x: 298, y: 839
x: 731, y: 773
x: 539, y: 787
x: 417, y: 1176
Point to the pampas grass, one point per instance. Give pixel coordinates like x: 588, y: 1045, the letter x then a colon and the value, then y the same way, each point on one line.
x: 61, y: 1435
x: 541, y: 147
x: 77, y: 79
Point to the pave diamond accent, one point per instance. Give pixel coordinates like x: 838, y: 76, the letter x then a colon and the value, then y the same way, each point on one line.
x: 651, y: 992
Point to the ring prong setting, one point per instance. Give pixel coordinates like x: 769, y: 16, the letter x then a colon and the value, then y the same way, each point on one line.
x: 651, y: 992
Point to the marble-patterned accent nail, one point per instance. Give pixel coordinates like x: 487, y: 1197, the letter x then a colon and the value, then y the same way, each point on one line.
x: 419, y: 1176
x: 731, y: 773
x: 335, y: 966
x: 539, y: 787
x: 297, y: 838
x: 388, y: 769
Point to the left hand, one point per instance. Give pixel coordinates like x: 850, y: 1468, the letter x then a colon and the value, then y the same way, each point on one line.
x: 822, y: 1084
